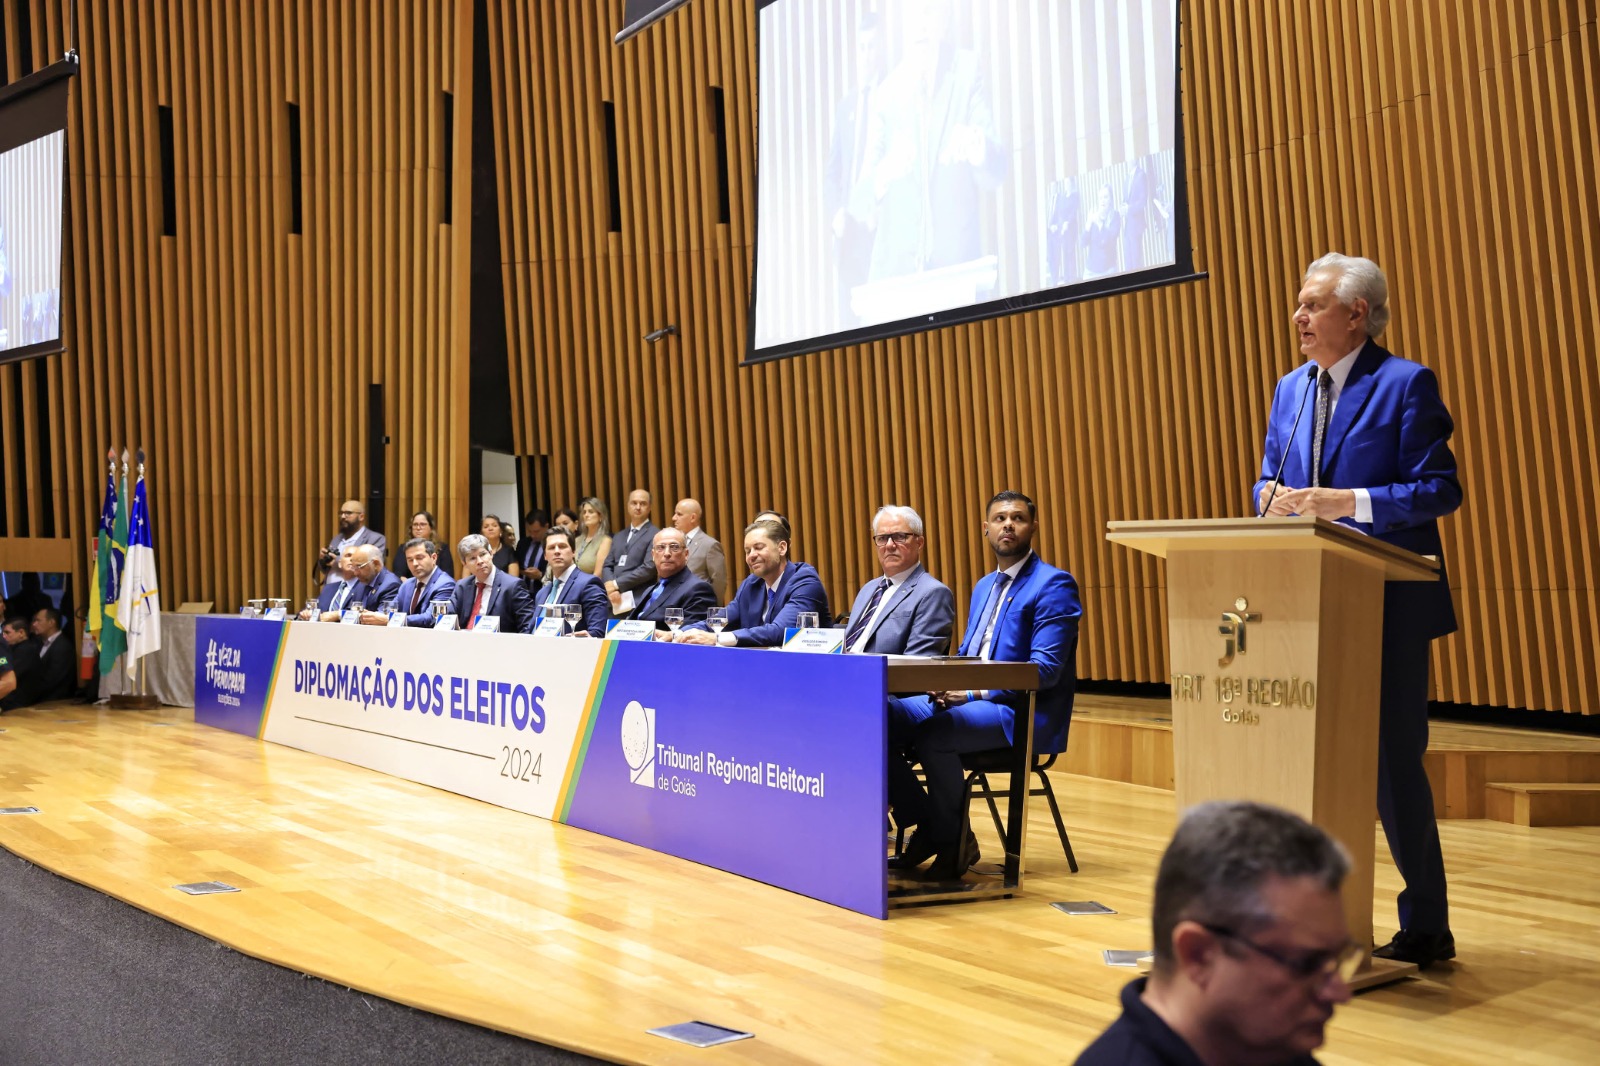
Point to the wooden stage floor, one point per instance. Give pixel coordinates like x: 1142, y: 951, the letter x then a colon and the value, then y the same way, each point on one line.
x: 573, y: 939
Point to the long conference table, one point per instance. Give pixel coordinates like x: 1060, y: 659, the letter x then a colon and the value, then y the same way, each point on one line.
x: 770, y: 765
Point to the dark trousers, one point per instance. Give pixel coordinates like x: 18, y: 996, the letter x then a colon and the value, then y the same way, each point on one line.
x: 1405, y: 801
x: 921, y: 732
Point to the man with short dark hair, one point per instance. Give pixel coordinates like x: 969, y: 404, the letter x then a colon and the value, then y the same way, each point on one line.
x: 22, y: 660
x: 1252, y: 953
x: 56, y: 673
x: 1024, y: 611
x: 628, y: 564
x: 352, y: 531
x: 675, y: 587
x: 771, y: 599
x: 427, y: 585
x: 485, y: 591
x: 529, y: 552
x: 906, y: 611
x: 565, y: 583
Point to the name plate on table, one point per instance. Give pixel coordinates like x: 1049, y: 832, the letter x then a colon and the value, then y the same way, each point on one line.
x: 397, y: 618
x: 444, y: 622
x: 487, y: 623
x: 551, y: 627
x: 351, y: 617
x: 634, y: 629
x: 275, y: 614
x: 826, y: 641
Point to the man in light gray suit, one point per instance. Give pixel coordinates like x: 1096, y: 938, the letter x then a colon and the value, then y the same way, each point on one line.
x: 707, y: 560
x: 907, y: 611
x: 353, y: 531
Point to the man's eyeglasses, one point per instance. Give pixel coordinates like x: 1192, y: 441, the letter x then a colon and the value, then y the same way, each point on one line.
x: 885, y: 539
x: 1308, y: 966
x: 667, y: 549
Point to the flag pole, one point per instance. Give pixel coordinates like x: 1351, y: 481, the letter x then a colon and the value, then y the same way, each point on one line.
x: 139, y: 697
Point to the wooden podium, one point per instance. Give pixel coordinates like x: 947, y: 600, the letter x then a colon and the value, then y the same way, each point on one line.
x: 1274, y: 629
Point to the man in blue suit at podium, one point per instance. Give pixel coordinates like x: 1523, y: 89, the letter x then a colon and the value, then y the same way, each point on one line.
x: 1025, y: 610
x: 1373, y: 453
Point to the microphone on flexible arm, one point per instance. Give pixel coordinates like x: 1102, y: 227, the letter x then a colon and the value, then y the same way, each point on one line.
x: 1277, y: 479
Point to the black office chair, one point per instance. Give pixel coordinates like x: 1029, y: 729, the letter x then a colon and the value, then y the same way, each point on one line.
x: 980, y: 764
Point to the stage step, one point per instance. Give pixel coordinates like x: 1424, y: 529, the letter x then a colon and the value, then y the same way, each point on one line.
x: 1542, y: 803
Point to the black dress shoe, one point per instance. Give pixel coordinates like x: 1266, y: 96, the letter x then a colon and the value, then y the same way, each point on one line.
x: 952, y: 862
x: 1423, y: 949
x: 918, y: 850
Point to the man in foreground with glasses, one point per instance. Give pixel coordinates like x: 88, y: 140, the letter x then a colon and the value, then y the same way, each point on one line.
x: 675, y: 588
x: 1251, y: 949
x: 907, y: 611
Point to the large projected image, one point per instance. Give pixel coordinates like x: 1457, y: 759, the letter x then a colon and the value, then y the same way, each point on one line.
x: 30, y: 243
x: 919, y: 158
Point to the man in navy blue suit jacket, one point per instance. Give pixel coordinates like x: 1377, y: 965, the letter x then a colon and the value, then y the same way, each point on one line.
x: 565, y: 583
x: 771, y: 599
x: 675, y: 586
x: 428, y: 583
x: 382, y: 584
x: 502, y: 596
x: 1383, y: 466
x: 346, y: 590
x: 1024, y: 611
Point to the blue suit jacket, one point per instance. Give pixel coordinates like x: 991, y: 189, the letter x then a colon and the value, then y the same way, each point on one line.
x: 506, y: 599
x: 587, y: 591
x: 380, y: 595
x: 439, y: 586
x: 917, y: 620
x: 1037, y: 622
x: 799, y: 590
x: 1389, y: 434
x: 683, y: 589
x: 357, y: 595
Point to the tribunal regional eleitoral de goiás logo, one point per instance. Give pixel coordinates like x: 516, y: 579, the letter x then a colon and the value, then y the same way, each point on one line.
x: 639, y: 743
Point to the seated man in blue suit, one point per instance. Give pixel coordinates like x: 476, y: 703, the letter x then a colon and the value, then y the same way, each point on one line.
x: 775, y: 594
x: 1025, y: 611
x: 345, y: 590
x: 676, y: 586
x: 427, y: 584
x: 565, y: 583
x: 907, y: 611
x: 1375, y: 455
x: 382, y: 584
x: 487, y: 592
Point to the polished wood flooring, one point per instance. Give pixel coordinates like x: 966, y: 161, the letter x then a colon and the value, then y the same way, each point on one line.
x: 572, y: 939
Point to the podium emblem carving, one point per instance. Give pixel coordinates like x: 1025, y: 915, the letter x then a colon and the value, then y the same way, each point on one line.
x: 1232, y: 629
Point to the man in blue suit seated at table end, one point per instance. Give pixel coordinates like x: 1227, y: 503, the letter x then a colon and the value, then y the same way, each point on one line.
x: 775, y: 594
x: 487, y: 592
x: 564, y: 583
x: 428, y: 583
x: 1375, y: 455
x: 1024, y: 611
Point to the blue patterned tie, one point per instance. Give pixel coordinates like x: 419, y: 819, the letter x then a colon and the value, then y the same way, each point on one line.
x: 865, y: 620
x: 990, y: 610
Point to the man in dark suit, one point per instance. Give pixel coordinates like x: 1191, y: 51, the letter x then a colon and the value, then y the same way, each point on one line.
x: 485, y: 592
x: 1025, y: 610
x: 565, y: 583
x: 427, y: 584
x: 530, y: 549
x: 352, y: 531
x: 628, y: 564
x: 346, y: 591
x: 55, y: 678
x: 775, y: 594
x: 675, y: 585
x: 907, y: 611
x: 382, y: 585
x: 22, y: 659
x: 1377, y: 458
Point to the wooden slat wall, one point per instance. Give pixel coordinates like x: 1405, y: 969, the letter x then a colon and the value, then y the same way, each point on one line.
x: 1452, y: 142
x: 237, y: 355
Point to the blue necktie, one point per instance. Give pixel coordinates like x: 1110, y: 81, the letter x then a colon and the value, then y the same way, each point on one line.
x: 648, y: 600
x: 865, y: 620
x: 555, y: 591
x: 990, y: 609
x: 766, y: 615
x: 340, y: 597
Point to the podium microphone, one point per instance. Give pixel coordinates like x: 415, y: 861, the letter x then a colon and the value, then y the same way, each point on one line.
x: 1277, y: 479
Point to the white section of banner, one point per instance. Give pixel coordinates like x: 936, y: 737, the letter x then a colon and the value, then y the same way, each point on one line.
x: 442, y: 709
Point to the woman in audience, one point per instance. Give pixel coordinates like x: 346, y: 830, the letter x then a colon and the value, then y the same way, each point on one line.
x: 567, y: 519
x: 494, y: 531
x: 594, y: 536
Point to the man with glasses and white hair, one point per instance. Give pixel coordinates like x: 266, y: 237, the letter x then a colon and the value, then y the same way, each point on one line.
x: 1373, y: 453
x: 906, y: 611
x: 1252, y: 953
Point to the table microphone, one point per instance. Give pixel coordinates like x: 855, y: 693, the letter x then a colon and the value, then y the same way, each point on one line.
x: 1277, y: 479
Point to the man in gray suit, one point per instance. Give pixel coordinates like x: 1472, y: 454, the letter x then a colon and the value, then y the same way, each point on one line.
x: 353, y: 531
x: 907, y: 611
x: 628, y: 565
x: 706, y: 558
